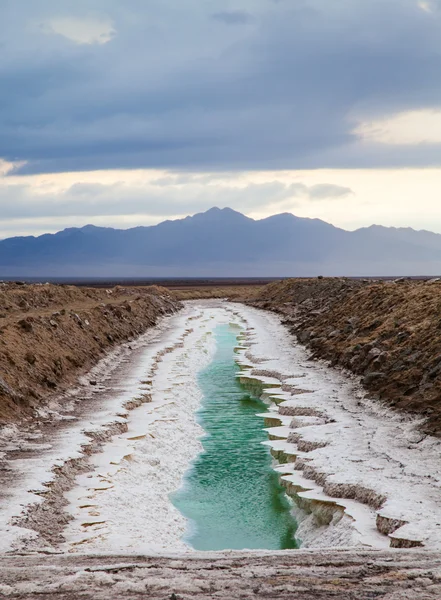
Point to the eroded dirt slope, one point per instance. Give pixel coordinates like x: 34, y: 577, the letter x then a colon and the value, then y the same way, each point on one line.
x: 389, y: 333
x: 51, y: 334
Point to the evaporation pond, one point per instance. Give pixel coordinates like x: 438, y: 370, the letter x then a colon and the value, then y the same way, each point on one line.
x: 231, y: 496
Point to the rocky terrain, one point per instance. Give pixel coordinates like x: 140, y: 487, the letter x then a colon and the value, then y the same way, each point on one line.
x: 387, y: 332
x: 50, y: 334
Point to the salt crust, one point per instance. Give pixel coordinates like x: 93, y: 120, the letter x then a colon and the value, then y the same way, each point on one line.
x: 123, y: 503
x: 366, y: 444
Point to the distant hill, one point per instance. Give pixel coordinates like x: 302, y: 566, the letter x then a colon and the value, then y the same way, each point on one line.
x: 223, y: 243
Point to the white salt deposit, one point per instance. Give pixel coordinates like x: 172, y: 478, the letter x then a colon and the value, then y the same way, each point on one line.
x: 122, y: 503
x: 367, y: 445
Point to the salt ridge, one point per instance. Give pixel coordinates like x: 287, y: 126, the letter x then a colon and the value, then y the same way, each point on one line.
x: 366, y: 444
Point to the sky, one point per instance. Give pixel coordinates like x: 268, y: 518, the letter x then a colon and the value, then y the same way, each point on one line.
x: 125, y: 113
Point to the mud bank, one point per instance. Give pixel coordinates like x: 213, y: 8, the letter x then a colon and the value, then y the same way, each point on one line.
x: 50, y: 335
x: 386, y: 332
x: 40, y: 461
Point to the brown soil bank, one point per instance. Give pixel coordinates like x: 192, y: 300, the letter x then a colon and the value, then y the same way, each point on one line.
x: 387, y: 332
x: 50, y: 334
x: 235, y: 293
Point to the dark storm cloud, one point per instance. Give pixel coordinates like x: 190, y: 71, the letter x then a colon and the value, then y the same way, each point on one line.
x: 174, y: 87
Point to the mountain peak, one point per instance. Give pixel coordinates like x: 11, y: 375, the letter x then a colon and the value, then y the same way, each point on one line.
x: 218, y: 214
x: 216, y: 210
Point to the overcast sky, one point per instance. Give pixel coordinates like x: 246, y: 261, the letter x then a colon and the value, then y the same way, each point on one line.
x: 128, y: 112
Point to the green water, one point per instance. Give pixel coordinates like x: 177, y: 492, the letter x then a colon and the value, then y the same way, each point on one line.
x: 231, y: 495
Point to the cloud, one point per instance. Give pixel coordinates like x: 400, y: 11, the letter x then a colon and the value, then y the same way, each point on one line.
x: 153, y: 200
x: 406, y: 128
x: 8, y: 168
x: 425, y: 6
x: 233, y: 17
x: 174, y: 90
x: 85, y: 30
x: 325, y: 191
x: 430, y: 6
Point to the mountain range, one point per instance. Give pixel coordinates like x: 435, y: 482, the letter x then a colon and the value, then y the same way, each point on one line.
x: 224, y: 243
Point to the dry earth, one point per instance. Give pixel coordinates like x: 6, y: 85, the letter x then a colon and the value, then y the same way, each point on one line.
x: 50, y: 334
x: 389, y: 333
x: 235, y: 293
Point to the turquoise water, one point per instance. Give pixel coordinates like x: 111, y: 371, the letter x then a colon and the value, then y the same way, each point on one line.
x: 231, y: 495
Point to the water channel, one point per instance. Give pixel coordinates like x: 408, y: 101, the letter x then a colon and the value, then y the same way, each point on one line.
x: 231, y: 496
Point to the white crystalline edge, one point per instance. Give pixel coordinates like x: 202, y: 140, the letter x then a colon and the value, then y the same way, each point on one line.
x: 33, y: 474
x: 368, y: 445
x: 133, y: 512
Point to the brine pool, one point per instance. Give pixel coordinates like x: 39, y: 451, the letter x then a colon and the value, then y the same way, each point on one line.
x: 231, y: 496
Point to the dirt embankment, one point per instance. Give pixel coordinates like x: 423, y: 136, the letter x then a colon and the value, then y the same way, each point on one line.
x: 51, y: 334
x: 234, y: 293
x: 389, y: 333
